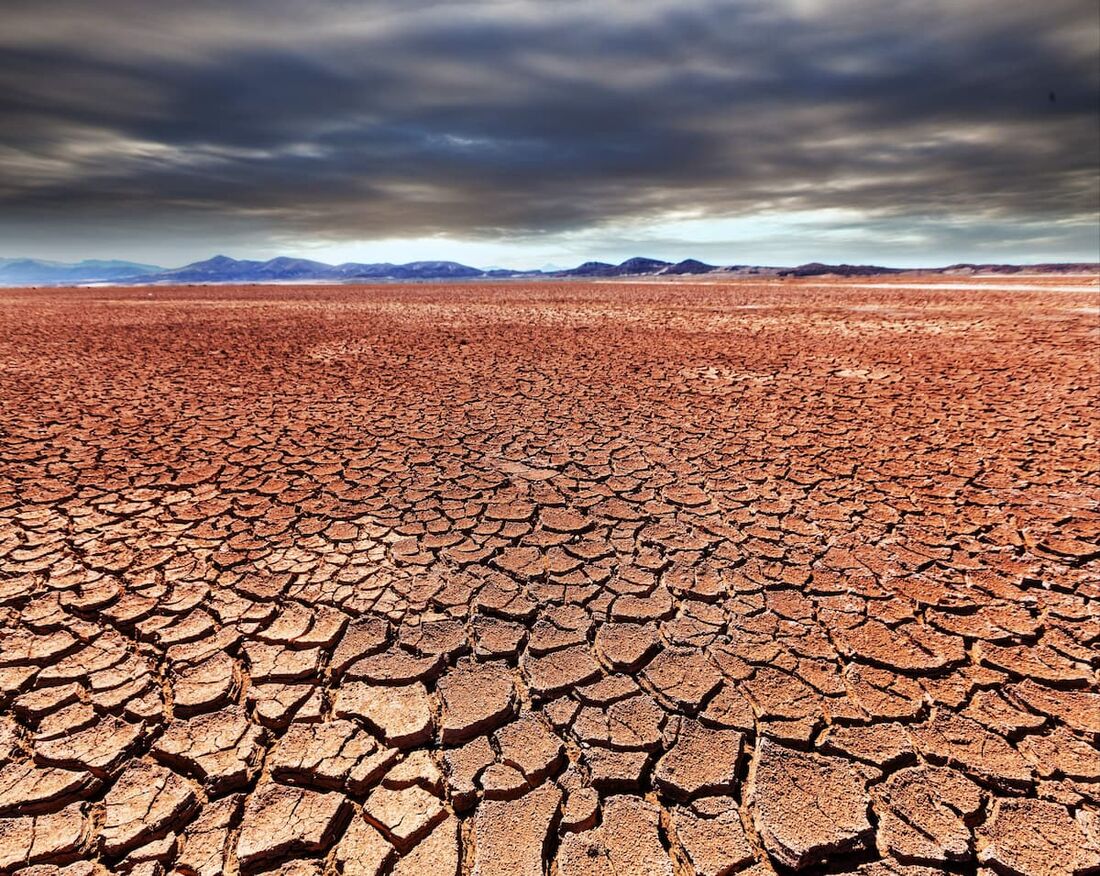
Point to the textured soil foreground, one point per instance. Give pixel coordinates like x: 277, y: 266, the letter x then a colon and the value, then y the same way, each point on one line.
x: 581, y: 580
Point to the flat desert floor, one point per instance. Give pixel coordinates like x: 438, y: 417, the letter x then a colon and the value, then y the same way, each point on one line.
x: 571, y: 579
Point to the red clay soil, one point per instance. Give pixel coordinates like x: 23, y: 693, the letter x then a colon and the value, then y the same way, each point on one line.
x: 571, y: 579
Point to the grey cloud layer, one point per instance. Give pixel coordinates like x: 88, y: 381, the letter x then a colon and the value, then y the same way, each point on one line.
x: 509, y: 120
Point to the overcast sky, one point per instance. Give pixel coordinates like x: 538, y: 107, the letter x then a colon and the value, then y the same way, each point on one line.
x: 532, y: 132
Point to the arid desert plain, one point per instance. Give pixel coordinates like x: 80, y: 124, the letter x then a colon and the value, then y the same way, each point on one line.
x: 581, y: 579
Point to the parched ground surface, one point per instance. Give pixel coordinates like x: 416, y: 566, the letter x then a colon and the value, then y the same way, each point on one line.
x: 581, y: 580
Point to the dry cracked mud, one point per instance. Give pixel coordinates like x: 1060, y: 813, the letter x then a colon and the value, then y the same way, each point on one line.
x: 513, y: 580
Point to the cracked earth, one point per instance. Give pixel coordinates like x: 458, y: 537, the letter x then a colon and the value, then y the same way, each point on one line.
x: 576, y: 580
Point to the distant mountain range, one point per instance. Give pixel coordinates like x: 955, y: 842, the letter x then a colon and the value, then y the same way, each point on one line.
x: 222, y: 269
x: 34, y: 272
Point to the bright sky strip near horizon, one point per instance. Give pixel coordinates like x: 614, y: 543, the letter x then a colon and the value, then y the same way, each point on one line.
x: 515, y: 133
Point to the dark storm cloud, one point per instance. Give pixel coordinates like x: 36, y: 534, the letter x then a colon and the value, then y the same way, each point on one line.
x: 506, y: 120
